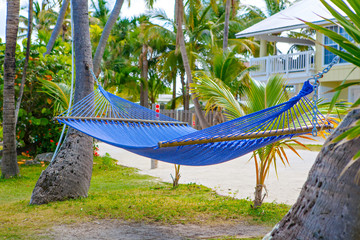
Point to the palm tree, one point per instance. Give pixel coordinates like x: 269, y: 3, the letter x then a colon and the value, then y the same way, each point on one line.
x: 9, y: 166
x: 228, y: 5
x: 332, y: 187
x: 109, y: 23
x: 181, y: 44
x: 260, y: 96
x: 27, y: 55
x: 68, y: 176
x: 58, y: 26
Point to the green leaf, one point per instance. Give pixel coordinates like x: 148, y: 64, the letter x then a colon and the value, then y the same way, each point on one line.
x: 337, y: 94
x: 36, y: 121
x: 346, y: 56
x: 42, y: 50
x: 44, y: 121
x: 356, y: 156
x: 345, y: 8
x: 355, y: 5
x: 344, y: 22
x: 22, y: 112
x: 356, y: 103
x: 344, y: 85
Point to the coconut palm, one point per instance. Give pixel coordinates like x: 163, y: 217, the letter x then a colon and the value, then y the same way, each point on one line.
x: 9, y: 166
x: 59, y: 25
x: 62, y: 179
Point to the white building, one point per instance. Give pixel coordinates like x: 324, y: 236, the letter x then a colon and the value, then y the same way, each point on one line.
x: 297, y: 67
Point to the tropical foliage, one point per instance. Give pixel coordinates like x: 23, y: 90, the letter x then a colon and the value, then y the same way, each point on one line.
x: 36, y: 131
x: 142, y: 60
x: 259, y: 97
x: 350, y: 53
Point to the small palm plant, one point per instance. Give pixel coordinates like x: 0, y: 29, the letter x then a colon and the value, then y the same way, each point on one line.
x: 260, y: 96
x: 59, y: 92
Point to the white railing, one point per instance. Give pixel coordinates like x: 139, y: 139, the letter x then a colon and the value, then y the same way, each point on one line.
x: 285, y: 63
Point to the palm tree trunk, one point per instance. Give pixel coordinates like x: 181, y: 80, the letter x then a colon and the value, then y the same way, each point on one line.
x: 57, y: 27
x: 173, y: 103
x: 258, y: 196
x: 69, y: 175
x: 105, y: 35
x: 144, y: 94
x: 27, y: 55
x: 184, y: 90
x: 9, y: 166
x: 226, y: 24
x: 328, y: 206
x: 181, y: 43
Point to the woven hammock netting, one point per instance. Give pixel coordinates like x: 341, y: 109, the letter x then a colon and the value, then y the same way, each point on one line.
x: 127, y: 125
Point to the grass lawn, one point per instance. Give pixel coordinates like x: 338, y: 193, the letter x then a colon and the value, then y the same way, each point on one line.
x: 119, y: 192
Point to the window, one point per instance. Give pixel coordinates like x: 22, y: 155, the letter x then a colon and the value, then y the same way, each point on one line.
x: 328, y: 56
x: 290, y: 88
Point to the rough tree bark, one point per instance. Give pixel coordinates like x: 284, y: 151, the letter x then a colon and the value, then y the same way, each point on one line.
x: 69, y: 175
x: 185, y: 91
x: 58, y: 26
x: 9, y: 166
x: 181, y: 43
x: 327, y: 207
x: 173, y: 103
x: 27, y: 55
x: 105, y: 35
x: 226, y: 24
x: 144, y: 88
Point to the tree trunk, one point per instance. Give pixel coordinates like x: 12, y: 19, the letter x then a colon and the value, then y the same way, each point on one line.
x: 144, y: 89
x: 27, y: 55
x: 328, y: 206
x: 173, y: 103
x: 226, y: 24
x: 258, y: 196
x: 58, y: 27
x: 9, y: 166
x: 69, y: 175
x: 187, y: 95
x: 181, y: 43
x: 105, y: 35
x: 177, y: 176
x: 184, y: 90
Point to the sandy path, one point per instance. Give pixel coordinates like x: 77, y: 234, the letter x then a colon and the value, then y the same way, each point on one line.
x: 234, y: 178
x: 120, y: 230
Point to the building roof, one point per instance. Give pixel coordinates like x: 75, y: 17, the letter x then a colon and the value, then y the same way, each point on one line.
x: 290, y: 18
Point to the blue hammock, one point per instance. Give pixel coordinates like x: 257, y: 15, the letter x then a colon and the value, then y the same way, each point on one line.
x: 127, y: 125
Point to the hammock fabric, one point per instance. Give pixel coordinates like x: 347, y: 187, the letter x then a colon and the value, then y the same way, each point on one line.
x: 127, y: 125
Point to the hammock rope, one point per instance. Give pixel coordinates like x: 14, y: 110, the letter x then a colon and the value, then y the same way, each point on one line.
x: 124, y: 124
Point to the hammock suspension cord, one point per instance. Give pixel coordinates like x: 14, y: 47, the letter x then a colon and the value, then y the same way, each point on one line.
x: 316, y: 85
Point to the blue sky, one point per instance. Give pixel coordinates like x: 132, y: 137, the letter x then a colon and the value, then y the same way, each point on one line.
x: 136, y: 7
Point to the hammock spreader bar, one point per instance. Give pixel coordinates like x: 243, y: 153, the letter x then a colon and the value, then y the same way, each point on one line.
x: 291, y: 131
x: 119, y: 120
x: 127, y: 125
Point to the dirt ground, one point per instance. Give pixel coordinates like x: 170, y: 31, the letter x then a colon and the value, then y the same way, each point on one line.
x: 121, y: 230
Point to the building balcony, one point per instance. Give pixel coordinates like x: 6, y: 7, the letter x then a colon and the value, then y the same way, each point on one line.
x: 295, y: 67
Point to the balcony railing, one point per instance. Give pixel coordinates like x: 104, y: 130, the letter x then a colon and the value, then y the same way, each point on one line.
x: 302, y: 62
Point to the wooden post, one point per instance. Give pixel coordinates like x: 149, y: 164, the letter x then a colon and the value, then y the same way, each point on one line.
x: 154, y: 163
